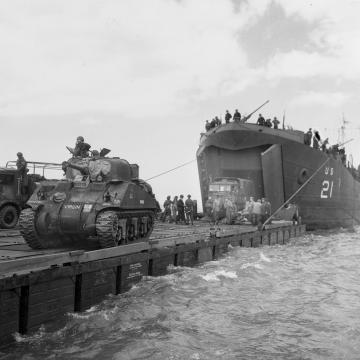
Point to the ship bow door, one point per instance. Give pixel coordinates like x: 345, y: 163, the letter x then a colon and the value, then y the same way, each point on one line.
x: 272, y: 170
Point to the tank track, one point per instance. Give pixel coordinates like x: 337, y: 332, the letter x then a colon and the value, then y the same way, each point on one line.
x: 28, y: 230
x: 108, y: 227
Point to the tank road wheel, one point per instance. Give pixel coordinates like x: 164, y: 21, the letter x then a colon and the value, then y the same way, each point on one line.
x: 28, y: 230
x: 8, y: 217
x: 108, y: 229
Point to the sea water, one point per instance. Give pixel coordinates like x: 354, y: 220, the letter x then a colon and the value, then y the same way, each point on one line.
x: 294, y: 301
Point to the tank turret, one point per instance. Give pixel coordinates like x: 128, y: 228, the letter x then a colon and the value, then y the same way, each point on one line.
x: 105, y: 169
x: 99, y: 198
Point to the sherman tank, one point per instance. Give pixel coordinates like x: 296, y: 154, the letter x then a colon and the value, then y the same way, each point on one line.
x: 100, y: 199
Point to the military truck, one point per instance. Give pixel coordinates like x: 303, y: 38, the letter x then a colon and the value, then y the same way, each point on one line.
x: 101, y: 200
x: 226, y: 197
x: 16, y: 188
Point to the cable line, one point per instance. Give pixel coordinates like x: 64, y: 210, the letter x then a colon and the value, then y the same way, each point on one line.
x: 296, y: 192
x: 175, y: 168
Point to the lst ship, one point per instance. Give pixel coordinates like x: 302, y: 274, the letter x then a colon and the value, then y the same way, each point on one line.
x: 279, y: 163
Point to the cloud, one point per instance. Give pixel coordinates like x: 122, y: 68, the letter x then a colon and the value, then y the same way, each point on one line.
x: 118, y: 56
x: 311, y: 98
x: 335, y: 36
x: 161, y: 55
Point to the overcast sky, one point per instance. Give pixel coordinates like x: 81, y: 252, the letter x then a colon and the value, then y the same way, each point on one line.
x: 141, y: 76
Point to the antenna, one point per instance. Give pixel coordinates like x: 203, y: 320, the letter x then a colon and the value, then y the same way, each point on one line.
x: 341, y: 131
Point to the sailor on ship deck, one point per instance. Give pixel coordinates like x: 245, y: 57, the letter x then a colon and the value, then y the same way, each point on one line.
x: 237, y: 116
x: 260, y: 120
x: 276, y: 123
x: 228, y: 117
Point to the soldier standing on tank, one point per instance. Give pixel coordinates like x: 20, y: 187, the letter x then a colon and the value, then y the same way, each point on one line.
x: 228, y: 117
x: 180, y: 209
x: 78, y: 145
x: 276, y: 123
x: 217, y: 121
x: 81, y: 148
x: 189, y: 210
x: 237, y: 116
x: 95, y: 155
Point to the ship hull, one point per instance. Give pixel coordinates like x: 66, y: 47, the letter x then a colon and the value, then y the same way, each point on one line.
x: 282, y: 168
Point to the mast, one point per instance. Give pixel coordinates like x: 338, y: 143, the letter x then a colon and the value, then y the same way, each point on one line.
x: 341, y: 132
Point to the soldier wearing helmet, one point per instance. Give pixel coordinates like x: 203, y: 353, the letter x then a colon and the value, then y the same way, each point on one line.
x: 21, y: 163
x: 237, y: 116
x: 228, y: 117
x: 81, y: 147
x: 189, y: 210
x: 95, y: 154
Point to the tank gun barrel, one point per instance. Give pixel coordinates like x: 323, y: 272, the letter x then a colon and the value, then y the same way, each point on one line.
x: 248, y: 116
x: 82, y: 168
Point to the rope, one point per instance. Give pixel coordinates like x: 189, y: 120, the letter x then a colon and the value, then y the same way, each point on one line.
x: 175, y: 168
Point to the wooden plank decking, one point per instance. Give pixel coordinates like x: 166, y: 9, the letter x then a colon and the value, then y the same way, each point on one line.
x: 16, y: 257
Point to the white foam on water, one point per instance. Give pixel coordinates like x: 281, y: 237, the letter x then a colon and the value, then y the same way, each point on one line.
x: 80, y: 315
x: 92, y: 309
x: 195, y: 356
x: 264, y: 258
x: 38, y: 335
x: 96, y: 313
x: 254, y: 265
x: 216, y: 275
x: 210, y: 277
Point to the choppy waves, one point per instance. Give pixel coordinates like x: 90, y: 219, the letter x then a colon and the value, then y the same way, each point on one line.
x: 298, y: 301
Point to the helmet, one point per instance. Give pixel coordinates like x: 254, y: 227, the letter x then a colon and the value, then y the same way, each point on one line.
x: 19, y: 154
x: 80, y: 138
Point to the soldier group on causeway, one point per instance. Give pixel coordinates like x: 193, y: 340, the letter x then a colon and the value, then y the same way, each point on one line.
x: 177, y: 211
x: 257, y: 211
